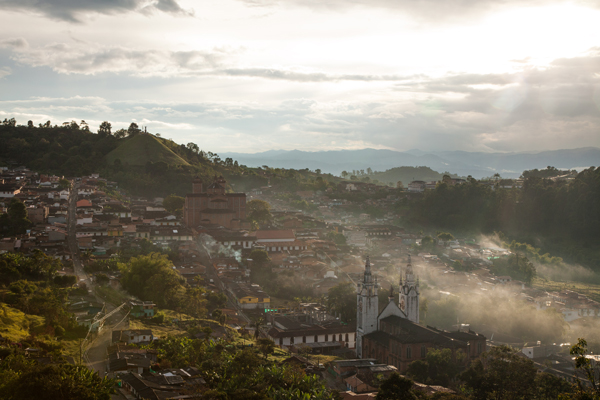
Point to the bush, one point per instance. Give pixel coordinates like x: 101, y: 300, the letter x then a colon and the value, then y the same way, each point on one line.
x: 159, y: 318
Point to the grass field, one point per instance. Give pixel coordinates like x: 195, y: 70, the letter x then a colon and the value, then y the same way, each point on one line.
x: 589, y: 289
x: 141, y: 149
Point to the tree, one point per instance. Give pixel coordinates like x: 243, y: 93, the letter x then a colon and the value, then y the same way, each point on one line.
x: 345, y: 174
x: 438, y: 368
x: 120, y: 134
x: 174, y: 204
x: 399, y: 185
x: 259, y: 256
x: 584, y: 364
x: 259, y: 211
x: 151, y: 277
x: 260, y: 266
x: 550, y: 387
x: 396, y: 387
x: 102, y: 279
x: 427, y: 241
x: 105, y: 128
x: 266, y: 346
x: 23, y: 380
x: 342, y: 299
x: 193, y: 147
x: 133, y: 129
x: 445, y: 237
x: 194, y: 302
x: 15, y: 221
x: 64, y: 184
x: 318, y: 171
x: 501, y: 373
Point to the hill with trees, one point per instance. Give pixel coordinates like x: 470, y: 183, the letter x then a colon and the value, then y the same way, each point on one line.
x: 141, y: 163
x: 409, y: 174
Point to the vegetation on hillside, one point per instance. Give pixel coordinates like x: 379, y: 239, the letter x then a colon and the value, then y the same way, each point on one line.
x: 563, y: 215
x: 406, y: 175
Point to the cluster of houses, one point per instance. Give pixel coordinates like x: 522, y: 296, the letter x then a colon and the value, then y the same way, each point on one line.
x: 46, y: 202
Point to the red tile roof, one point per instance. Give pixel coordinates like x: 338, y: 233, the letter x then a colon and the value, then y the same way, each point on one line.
x: 275, y: 234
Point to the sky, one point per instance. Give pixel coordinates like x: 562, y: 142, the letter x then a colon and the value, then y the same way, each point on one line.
x: 255, y: 75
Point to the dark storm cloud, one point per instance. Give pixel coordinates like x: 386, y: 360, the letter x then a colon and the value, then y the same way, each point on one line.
x: 76, y: 10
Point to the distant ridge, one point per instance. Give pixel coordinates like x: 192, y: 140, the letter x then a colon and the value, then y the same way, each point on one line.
x: 463, y: 163
x: 143, y: 148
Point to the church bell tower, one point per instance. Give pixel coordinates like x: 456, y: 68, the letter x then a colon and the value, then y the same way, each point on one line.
x: 409, y: 294
x: 367, y: 307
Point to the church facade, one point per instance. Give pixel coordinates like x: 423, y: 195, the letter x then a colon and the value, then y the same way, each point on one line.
x: 394, y: 336
x: 214, y: 206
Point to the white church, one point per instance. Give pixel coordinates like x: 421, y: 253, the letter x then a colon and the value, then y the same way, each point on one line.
x: 394, y: 336
x: 368, y: 316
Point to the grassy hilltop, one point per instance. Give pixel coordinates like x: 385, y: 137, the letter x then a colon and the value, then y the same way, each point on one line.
x: 141, y: 149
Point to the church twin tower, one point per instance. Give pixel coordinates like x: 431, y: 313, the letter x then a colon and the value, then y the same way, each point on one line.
x: 367, y: 310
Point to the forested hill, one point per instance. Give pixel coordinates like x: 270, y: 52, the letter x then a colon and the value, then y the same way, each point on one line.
x: 409, y: 174
x: 561, y: 215
x: 143, y: 164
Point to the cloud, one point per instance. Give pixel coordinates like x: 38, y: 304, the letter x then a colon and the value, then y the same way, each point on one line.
x: 423, y: 10
x: 87, y: 59
x: 5, y: 71
x: 76, y: 10
x: 90, y: 60
x: 531, y: 108
x: 14, y: 43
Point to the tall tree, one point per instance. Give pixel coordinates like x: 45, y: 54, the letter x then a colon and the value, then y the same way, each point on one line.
x: 105, y: 128
x: 342, y: 299
x: 259, y: 211
x: 152, y: 277
x: 174, y: 204
x: 501, y: 373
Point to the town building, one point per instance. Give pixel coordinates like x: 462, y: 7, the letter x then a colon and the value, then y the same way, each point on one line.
x: 214, y: 206
x: 394, y: 336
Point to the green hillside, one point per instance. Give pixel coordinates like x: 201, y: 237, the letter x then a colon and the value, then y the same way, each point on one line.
x: 17, y: 325
x: 142, y: 148
x: 409, y: 174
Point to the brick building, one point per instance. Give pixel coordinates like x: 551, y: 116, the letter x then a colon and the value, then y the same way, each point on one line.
x: 214, y: 206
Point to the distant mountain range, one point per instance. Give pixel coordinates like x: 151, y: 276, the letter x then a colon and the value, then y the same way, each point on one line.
x: 463, y: 163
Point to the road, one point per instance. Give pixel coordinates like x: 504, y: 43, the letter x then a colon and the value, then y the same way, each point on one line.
x: 72, y: 238
x: 95, y: 347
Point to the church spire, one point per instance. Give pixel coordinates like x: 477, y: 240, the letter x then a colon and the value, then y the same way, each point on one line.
x: 391, y: 296
x: 367, y: 277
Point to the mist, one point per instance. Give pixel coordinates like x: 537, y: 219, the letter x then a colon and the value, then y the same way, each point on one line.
x: 499, y: 312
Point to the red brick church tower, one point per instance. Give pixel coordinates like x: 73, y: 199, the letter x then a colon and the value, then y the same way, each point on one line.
x: 214, y: 206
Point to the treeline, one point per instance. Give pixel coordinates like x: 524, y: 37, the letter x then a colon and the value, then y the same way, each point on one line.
x: 566, y: 215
